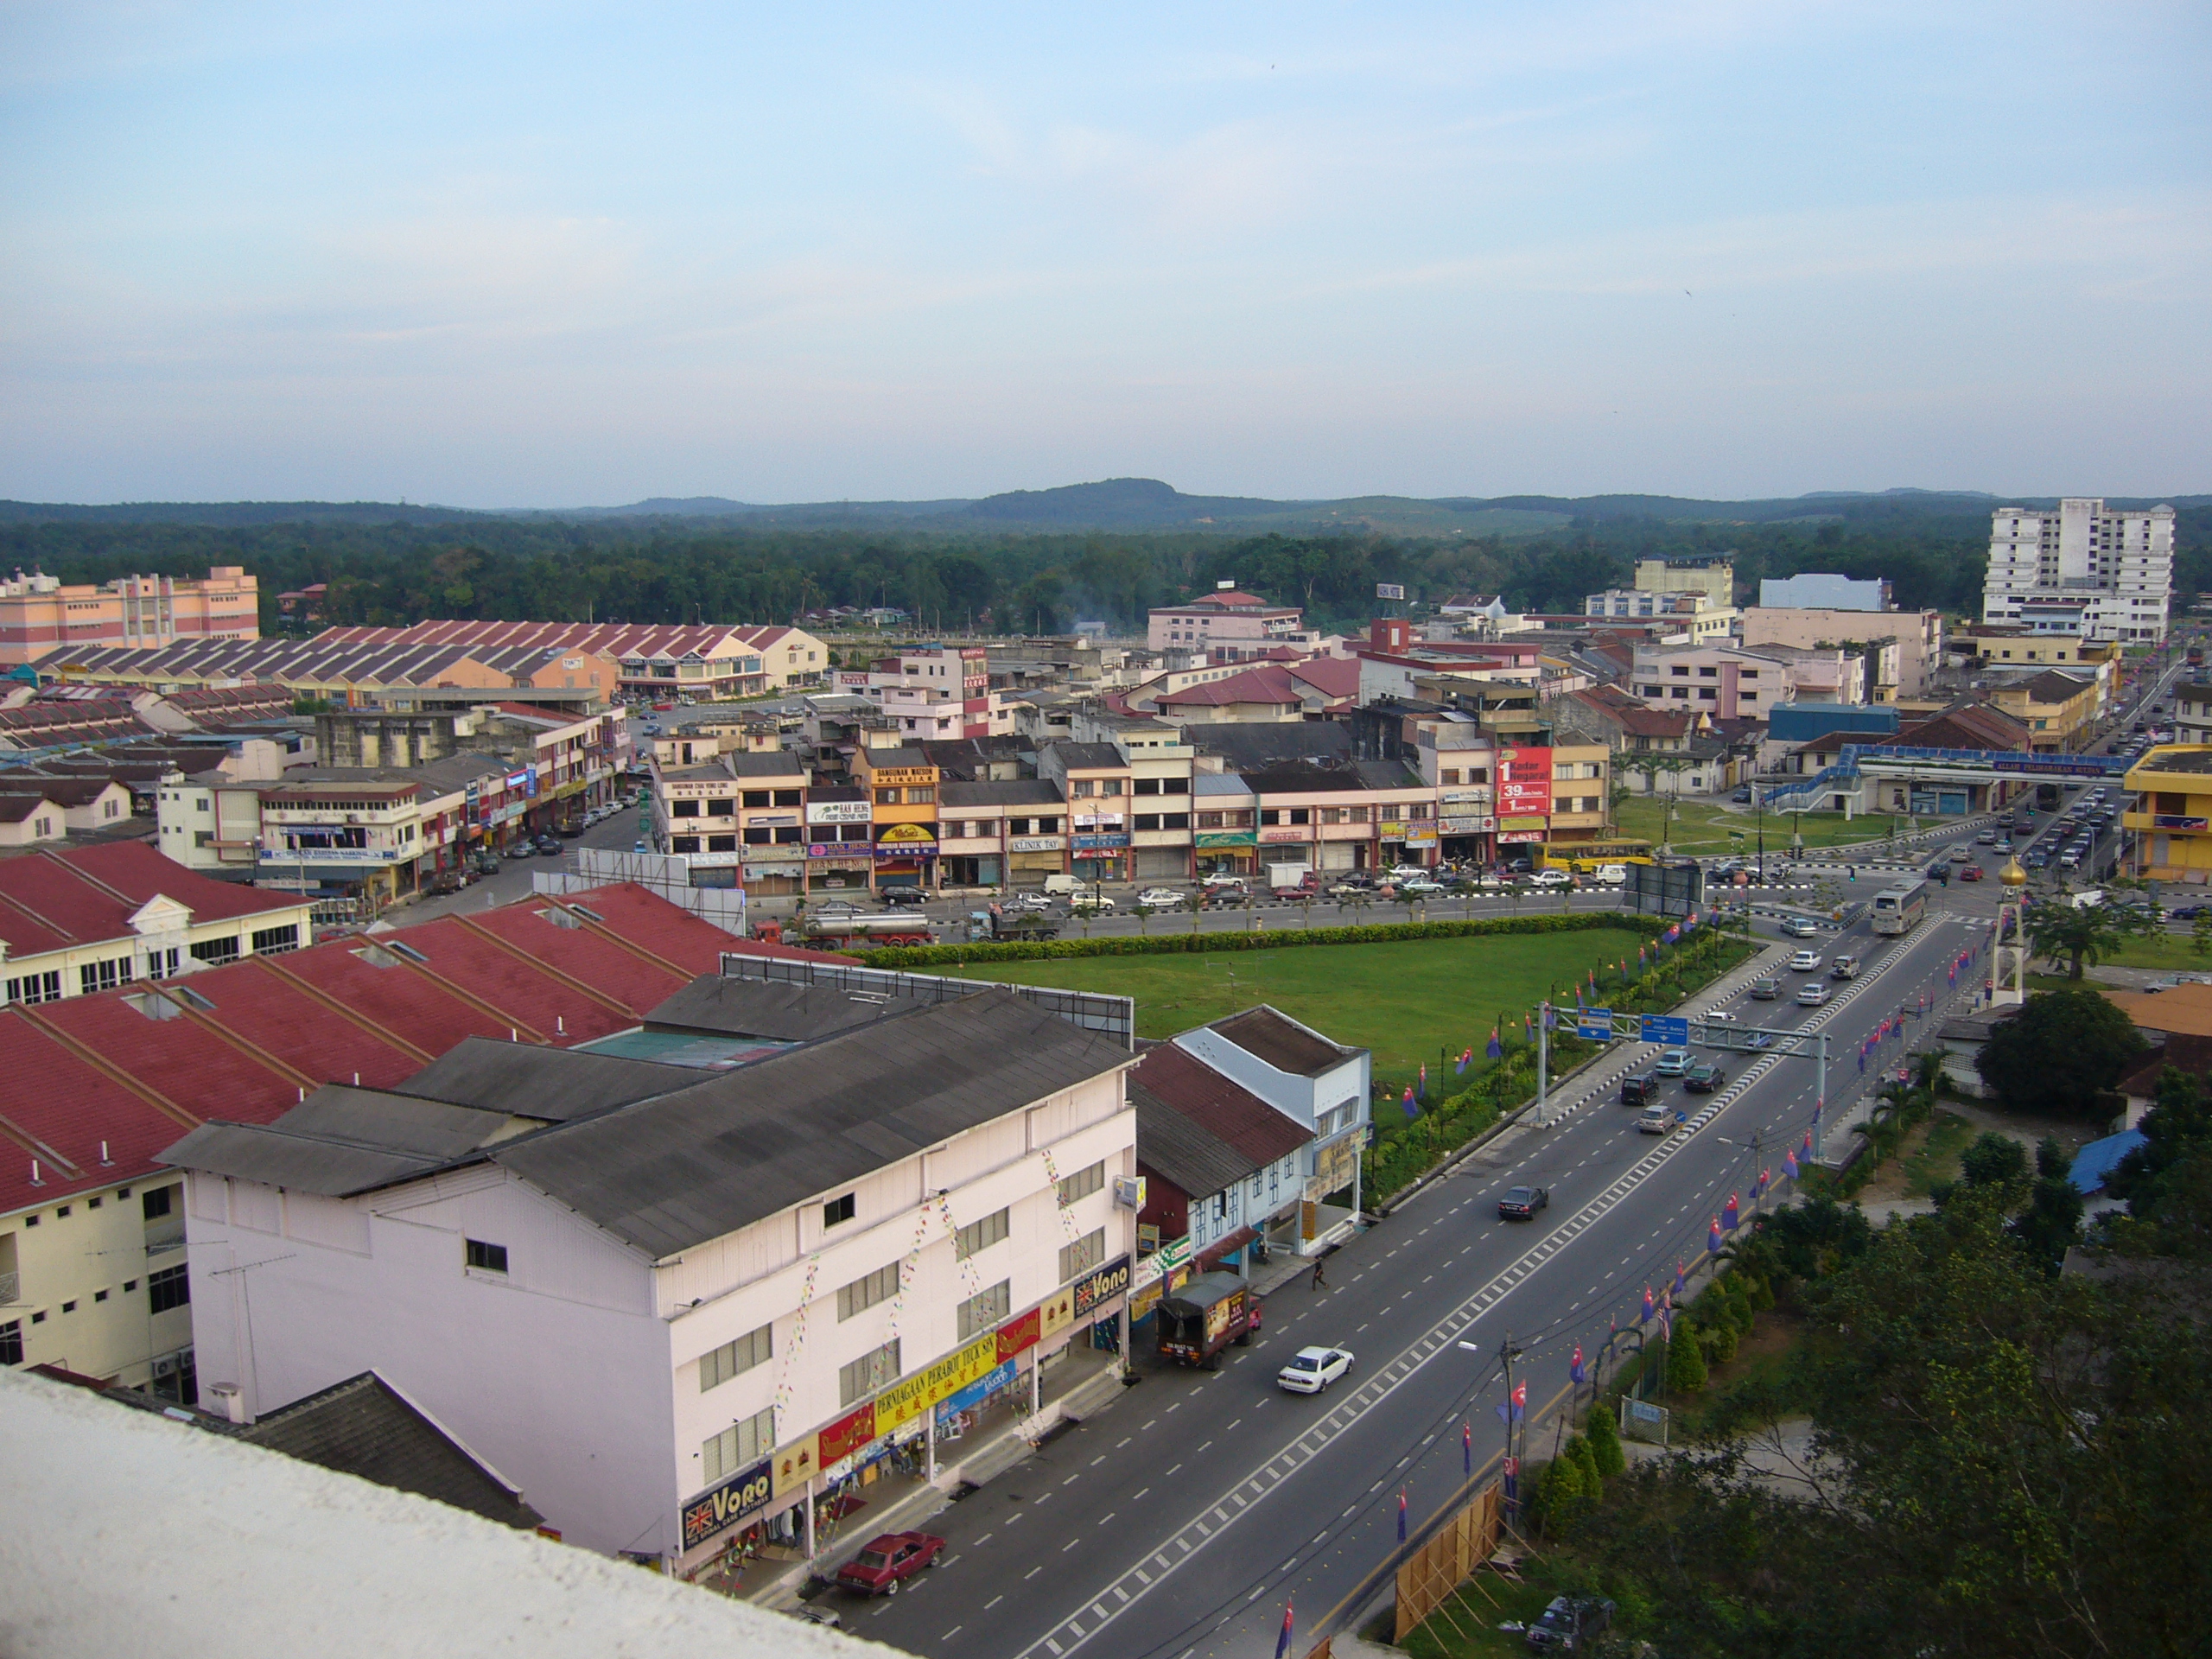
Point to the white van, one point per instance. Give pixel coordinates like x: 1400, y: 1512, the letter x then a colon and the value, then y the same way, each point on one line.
x: 1613, y: 874
x: 1064, y: 886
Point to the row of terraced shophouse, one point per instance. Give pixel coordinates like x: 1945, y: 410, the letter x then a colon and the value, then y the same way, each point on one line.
x: 671, y: 1238
x: 1126, y: 798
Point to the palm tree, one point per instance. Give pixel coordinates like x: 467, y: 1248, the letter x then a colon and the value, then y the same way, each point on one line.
x: 1143, y: 913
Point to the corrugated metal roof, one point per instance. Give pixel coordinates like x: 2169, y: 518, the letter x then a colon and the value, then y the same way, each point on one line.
x: 674, y: 1172
x: 782, y: 1011
x: 557, y: 1084
x: 298, y: 1163
x: 1182, y: 1150
x: 1282, y: 1042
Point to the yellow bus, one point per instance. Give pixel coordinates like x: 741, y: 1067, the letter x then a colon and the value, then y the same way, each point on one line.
x: 1583, y: 857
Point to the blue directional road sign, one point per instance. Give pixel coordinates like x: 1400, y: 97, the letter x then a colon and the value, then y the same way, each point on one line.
x: 1666, y: 1028
x: 1595, y: 1025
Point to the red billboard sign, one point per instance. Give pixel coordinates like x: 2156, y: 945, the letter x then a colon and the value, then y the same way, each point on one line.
x: 1525, y: 782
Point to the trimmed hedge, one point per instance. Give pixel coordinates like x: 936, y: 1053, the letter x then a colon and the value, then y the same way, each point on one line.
x: 1168, y: 944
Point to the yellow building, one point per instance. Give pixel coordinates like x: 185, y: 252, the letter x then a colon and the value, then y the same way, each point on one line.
x: 902, y: 788
x: 2059, y: 710
x: 2171, y: 813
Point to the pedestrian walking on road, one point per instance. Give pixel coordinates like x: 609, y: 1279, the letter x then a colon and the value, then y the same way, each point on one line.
x: 1320, y: 1279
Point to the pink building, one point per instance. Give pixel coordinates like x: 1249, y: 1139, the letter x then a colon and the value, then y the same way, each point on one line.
x: 39, y: 616
x: 1232, y: 624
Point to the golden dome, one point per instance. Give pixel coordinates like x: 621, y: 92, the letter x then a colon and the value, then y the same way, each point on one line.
x: 2012, y: 876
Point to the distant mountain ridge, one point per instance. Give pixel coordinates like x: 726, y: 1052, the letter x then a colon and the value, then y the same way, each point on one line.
x: 1114, y: 504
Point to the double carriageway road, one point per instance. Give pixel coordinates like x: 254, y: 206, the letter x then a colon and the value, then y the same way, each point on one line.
x: 1179, y: 1521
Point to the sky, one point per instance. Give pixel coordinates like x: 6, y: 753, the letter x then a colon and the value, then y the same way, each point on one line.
x: 559, y: 254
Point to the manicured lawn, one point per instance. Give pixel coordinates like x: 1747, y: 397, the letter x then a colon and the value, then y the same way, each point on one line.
x: 1702, y: 827
x: 1403, y: 999
x: 2175, y: 951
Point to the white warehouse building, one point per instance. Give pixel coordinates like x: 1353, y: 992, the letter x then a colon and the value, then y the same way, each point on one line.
x: 668, y: 1302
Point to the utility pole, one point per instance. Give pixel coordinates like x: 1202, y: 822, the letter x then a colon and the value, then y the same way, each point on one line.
x: 1543, y: 1061
x: 1821, y: 1098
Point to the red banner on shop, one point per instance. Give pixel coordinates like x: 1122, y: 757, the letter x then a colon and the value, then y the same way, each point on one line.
x: 1018, y: 1334
x: 846, y: 1436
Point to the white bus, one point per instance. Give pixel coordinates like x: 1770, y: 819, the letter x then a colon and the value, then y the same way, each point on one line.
x: 1901, y: 908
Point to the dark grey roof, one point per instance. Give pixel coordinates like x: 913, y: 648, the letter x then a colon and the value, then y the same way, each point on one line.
x: 1282, y: 1042
x: 771, y: 1008
x: 1183, y: 1150
x: 365, y: 1427
x: 780, y: 764
x: 298, y: 1162
x: 836, y: 792
x: 1087, y: 757
x: 672, y: 1173
x: 905, y: 756
x: 1256, y: 745
x: 1386, y: 774
x: 392, y: 1123
x: 530, y: 1080
x: 453, y: 771
x: 1024, y: 791
x: 1298, y: 777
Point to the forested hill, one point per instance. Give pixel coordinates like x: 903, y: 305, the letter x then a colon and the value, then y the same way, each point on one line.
x: 962, y: 568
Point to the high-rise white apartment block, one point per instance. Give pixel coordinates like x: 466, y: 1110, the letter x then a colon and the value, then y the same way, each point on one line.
x: 2078, y: 569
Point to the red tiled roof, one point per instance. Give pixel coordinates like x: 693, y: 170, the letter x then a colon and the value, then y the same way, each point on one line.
x: 49, y: 901
x: 1269, y: 684
x: 96, y: 1068
x: 1333, y: 676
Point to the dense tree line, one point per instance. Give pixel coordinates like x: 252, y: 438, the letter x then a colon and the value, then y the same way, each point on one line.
x: 671, y: 571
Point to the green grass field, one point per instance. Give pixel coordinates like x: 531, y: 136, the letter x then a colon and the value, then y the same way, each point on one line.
x: 1701, y: 827
x: 1403, y: 999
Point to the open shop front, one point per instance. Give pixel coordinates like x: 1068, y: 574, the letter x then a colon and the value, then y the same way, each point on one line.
x: 831, y: 1486
x: 905, y: 856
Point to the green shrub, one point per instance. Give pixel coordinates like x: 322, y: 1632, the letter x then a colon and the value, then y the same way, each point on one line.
x: 1179, y: 943
x: 1719, y: 1339
x: 1685, y: 1364
x: 1604, y: 1436
x: 1585, y: 1460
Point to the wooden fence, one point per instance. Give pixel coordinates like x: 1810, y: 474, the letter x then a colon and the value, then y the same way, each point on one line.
x: 1439, y: 1566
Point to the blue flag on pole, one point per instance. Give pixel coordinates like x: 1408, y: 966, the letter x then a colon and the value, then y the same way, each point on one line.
x: 1495, y: 1047
x: 1402, y: 1515
x: 1283, y: 1642
x: 1412, y: 1111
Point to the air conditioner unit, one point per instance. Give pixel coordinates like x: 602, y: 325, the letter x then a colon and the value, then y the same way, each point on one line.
x: 1128, y: 1191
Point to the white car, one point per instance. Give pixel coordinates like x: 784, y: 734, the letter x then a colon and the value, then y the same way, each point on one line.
x: 1719, y: 1017
x: 1806, y: 962
x: 1159, y: 898
x: 1030, y: 901
x: 1613, y: 874
x: 1813, y: 993
x: 1312, y: 1369
x: 1223, y: 878
x: 1552, y: 879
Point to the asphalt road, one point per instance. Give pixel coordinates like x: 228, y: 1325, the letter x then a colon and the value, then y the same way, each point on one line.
x: 1179, y: 1521
x: 512, y: 882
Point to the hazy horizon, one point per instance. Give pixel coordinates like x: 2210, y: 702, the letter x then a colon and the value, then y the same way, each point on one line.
x: 497, y: 257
